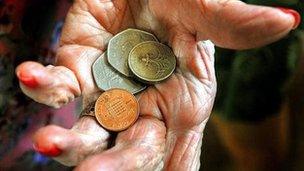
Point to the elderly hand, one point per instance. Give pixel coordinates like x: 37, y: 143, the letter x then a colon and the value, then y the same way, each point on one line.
x: 173, y: 114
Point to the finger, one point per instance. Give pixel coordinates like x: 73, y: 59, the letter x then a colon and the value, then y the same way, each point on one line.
x: 80, y: 59
x: 96, y: 22
x: 234, y: 24
x: 141, y: 147
x: 53, y: 86
x: 70, y: 147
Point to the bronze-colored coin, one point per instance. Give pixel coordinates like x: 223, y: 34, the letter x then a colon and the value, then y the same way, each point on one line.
x: 116, y: 109
x: 121, y: 45
x: 152, y: 62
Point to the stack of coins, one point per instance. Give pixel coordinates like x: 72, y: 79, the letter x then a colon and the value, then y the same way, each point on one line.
x: 134, y: 59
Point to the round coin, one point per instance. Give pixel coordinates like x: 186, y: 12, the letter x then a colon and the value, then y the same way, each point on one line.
x: 121, y: 45
x: 152, y: 62
x: 107, y: 77
x: 116, y: 109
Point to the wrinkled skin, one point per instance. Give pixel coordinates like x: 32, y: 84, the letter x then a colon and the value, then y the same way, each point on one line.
x: 173, y: 114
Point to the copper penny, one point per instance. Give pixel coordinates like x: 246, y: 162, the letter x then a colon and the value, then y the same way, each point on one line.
x: 116, y: 109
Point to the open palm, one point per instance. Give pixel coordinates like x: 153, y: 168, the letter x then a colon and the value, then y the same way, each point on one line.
x: 173, y: 114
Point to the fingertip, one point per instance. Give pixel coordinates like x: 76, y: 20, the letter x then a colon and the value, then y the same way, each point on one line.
x: 27, y: 79
x: 28, y: 72
x: 28, y: 66
x: 48, y: 140
x: 50, y: 151
x: 295, y: 14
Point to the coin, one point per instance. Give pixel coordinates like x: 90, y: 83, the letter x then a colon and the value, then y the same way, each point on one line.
x: 152, y: 62
x: 120, y: 46
x: 107, y: 78
x: 116, y: 109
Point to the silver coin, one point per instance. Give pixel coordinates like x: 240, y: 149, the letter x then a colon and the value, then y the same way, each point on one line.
x: 121, y: 45
x: 107, y: 77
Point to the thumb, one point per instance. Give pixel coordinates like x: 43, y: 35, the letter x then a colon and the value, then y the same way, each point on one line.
x: 234, y: 24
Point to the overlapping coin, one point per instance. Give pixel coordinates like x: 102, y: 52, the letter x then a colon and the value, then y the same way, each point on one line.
x: 107, y: 77
x: 121, y: 45
x: 133, y: 55
x: 152, y: 62
x: 116, y: 109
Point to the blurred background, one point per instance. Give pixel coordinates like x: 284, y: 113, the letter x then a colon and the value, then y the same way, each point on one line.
x: 255, y: 125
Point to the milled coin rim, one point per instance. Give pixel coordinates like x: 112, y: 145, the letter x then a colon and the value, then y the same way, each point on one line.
x: 120, y: 33
x: 152, y: 80
x: 122, y: 129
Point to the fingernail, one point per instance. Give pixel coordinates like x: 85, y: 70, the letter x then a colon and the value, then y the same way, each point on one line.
x: 27, y: 79
x: 294, y: 13
x: 51, y: 151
